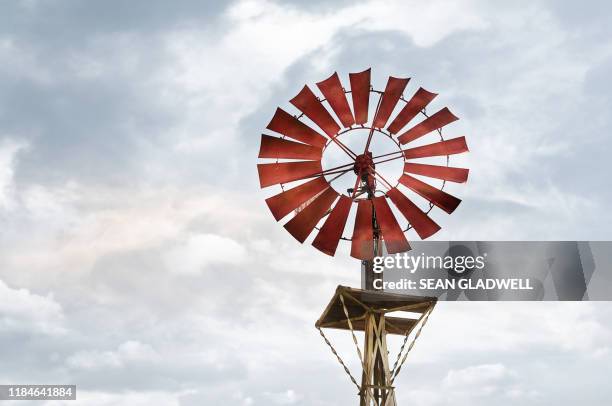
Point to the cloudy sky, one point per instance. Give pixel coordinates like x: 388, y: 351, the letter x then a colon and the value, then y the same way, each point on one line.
x: 139, y: 261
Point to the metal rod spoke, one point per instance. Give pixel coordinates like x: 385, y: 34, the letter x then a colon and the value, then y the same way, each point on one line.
x: 344, y: 148
x: 381, y: 178
x: 337, y: 176
x: 323, y: 173
x: 342, y: 145
x: 390, y: 153
x: 387, y: 160
x: 337, y: 167
x: 356, y: 185
x: 367, y: 146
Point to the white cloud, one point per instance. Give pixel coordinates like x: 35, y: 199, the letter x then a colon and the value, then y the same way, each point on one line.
x: 8, y: 154
x: 475, y: 384
x: 129, y: 352
x: 124, y: 398
x: 288, y: 397
x: 69, y: 228
x: 477, y: 376
x: 23, y: 311
x: 214, y: 76
x: 426, y: 23
x: 198, y: 251
x: 219, y: 78
x: 512, y: 328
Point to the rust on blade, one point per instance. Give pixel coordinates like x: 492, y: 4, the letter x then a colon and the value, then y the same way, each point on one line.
x: 286, y: 124
x: 438, y: 197
x: 392, y: 233
x: 448, y: 147
x: 279, y: 148
x: 272, y: 174
x: 308, y: 104
x: 437, y: 120
x: 392, y: 94
x: 285, y: 202
x: 419, y: 220
x: 334, y: 93
x: 362, y: 243
x: 305, y: 221
x: 417, y: 103
x: 360, y: 93
x: 330, y: 233
x: 458, y: 175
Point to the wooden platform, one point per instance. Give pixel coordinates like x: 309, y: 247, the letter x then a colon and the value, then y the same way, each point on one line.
x: 359, y: 302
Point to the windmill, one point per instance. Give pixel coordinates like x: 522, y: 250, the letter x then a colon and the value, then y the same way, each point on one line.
x: 292, y: 159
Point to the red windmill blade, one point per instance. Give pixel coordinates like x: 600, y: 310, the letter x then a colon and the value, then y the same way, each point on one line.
x: 360, y: 92
x: 334, y: 93
x: 415, y: 105
x: 294, y: 161
x: 438, y: 120
x: 393, y: 91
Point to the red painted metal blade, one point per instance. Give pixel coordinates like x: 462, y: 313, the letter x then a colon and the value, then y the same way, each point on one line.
x: 271, y: 174
x: 362, y: 244
x: 305, y: 221
x: 392, y: 233
x: 448, y: 147
x: 419, y: 220
x: 417, y: 103
x: 334, y: 93
x: 308, y: 104
x: 284, y: 123
x: 330, y: 233
x: 458, y: 175
x: 360, y: 92
x: 285, y: 202
x: 438, y: 197
x: 437, y: 120
x: 273, y: 147
x: 392, y: 94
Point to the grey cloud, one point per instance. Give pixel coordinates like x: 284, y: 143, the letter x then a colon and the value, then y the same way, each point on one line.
x: 65, y: 23
x: 317, y: 5
x: 80, y: 130
x: 96, y: 128
x: 254, y: 320
x: 587, y: 18
x: 460, y: 63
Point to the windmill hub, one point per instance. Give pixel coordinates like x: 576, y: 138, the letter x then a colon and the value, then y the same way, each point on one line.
x: 364, y: 164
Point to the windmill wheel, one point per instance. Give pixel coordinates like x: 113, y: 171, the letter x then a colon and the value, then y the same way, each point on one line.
x: 294, y: 161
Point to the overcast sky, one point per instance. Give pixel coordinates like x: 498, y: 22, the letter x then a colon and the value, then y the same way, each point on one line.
x: 139, y: 261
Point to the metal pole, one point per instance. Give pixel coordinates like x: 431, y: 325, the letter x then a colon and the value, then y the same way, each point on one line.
x: 375, y: 376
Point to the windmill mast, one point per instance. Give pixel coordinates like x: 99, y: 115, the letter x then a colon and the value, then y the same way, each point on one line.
x: 375, y: 375
x: 367, y: 266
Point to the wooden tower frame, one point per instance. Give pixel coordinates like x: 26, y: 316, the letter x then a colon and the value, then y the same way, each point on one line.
x: 369, y: 311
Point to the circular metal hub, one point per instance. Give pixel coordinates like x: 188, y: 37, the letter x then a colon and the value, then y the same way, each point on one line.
x: 364, y: 164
